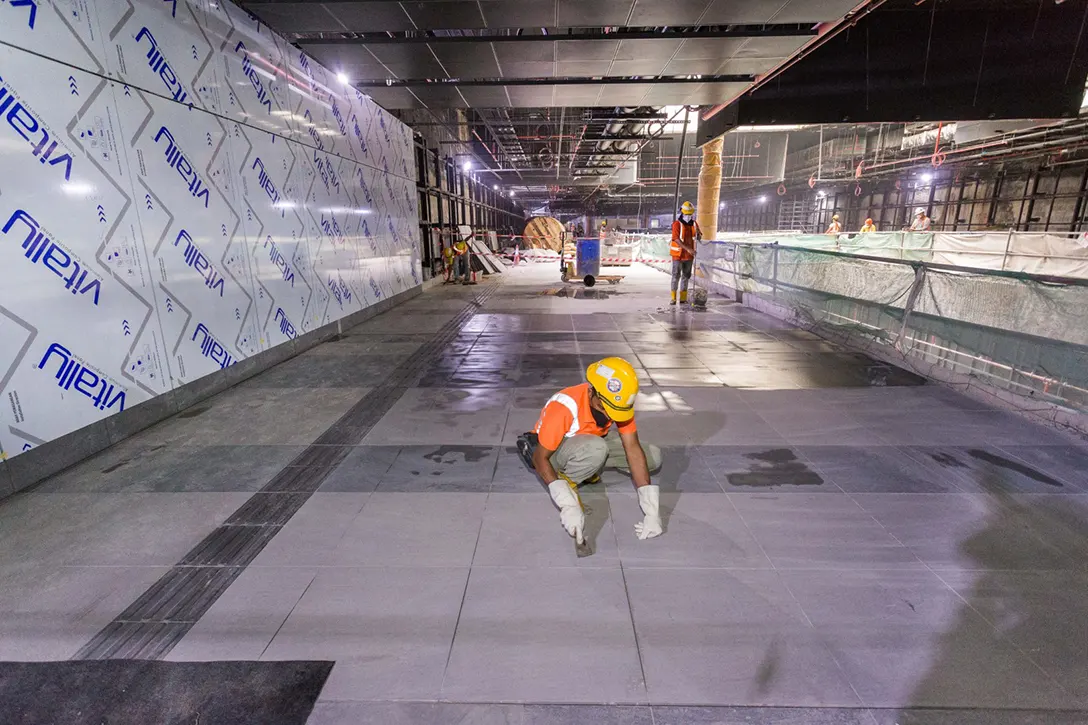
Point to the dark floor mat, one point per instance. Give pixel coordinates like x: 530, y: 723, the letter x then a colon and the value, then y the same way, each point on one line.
x: 143, y: 692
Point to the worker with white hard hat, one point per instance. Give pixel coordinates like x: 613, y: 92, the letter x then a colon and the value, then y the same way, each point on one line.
x: 835, y: 227
x: 921, y: 221
x: 685, y: 233
x: 573, y: 442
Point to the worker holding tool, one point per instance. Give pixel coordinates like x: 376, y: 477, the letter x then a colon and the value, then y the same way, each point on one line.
x: 685, y: 233
x: 573, y: 442
x: 921, y: 221
x: 835, y: 227
x: 868, y: 227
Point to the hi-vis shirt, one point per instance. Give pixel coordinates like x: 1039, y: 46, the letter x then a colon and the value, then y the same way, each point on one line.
x: 567, y: 414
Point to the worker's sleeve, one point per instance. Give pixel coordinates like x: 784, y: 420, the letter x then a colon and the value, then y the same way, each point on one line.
x: 627, y: 426
x: 555, y: 421
x: 676, y: 231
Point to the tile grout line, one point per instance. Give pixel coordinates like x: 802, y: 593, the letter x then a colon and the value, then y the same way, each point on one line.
x: 288, y: 616
x: 201, y: 576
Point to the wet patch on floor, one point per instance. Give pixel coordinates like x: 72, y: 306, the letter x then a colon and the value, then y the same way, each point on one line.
x: 581, y: 293
x: 775, y: 467
x: 947, y: 460
x: 1014, y: 466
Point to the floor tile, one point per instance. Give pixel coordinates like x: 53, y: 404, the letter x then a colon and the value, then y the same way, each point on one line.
x: 760, y: 716
x: 906, y: 639
x: 523, y: 530
x: 701, y: 530
x: 762, y: 468
x: 435, y: 713
x: 361, y: 470
x: 963, y: 531
x: 413, y: 529
x: 821, y: 531
x: 986, y: 469
x: 314, y: 532
x: 729, y: 637
x: 242, y: 622
x: 545, y: 635
x: 444, y: 417
x: 460, y: 468
x: 877, y: 469
x: 683, y: 468
x: 381, y: 651
x: 1068, y: 464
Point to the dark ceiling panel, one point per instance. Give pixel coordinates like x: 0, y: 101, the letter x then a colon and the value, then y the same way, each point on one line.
x: 771, y: 47
x: 624, y: 95
x: 355, y: 60
x: 814, y: 11
x: 408, y: 61
x: 587, y: 49
x: 485, y: 96
x: 514, y: 52
x: 583, y: 68
x: 518, y: 13
x: 460, y: 14
x: 669, y: 94
x: 654, y: 67
x: 580, y: 95
x: 486, y: 68
x: 693, y: 66
x: 726, y: 12
x: 296, y: 18
x: 392, y: 98
x: 534, y: 69
x: 645, y: 49
x: 469, y: 53
x: 710, y: 48
x: 361, y: 17
x: 669, y: 12
x: 530, y: 96
x: 440, y: 96
x: 710, y: 94
x: 591, y: 13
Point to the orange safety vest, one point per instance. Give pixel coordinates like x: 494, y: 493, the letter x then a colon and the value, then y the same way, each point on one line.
x: 568, y: 414
x: 686, y: 233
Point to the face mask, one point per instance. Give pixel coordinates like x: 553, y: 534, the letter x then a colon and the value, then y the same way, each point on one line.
x: 686, y: 218
x: 600, y: 417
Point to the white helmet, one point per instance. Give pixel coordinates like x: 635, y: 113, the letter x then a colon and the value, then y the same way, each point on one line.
x: 919, y: 211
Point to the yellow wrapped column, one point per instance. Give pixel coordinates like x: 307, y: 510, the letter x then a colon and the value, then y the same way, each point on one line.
x: 710, y: 186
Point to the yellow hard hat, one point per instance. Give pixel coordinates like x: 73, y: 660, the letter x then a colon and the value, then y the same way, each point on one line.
x: 687, y: 208
x: 835, y: 217
x: 616, y: 384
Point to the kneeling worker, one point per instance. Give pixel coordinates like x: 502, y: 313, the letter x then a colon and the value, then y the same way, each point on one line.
x: 571, y: 444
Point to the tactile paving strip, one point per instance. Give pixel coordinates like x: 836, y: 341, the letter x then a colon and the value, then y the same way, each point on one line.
x: 153, y: 624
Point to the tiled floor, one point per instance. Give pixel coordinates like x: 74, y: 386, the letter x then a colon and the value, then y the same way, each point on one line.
x: 834, y: 552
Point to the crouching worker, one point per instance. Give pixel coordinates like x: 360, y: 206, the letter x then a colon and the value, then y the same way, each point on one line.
x: 573, y: 442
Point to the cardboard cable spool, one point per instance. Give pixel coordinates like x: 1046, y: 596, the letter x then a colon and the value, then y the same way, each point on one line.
x: 544, y: 232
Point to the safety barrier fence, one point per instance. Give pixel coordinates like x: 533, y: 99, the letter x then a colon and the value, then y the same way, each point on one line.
x: 1021, y: 337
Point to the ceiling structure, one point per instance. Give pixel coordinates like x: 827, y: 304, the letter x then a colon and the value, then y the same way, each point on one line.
x: 572, y: 103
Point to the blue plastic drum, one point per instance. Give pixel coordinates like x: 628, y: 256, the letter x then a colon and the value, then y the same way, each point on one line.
x: 588, y: 260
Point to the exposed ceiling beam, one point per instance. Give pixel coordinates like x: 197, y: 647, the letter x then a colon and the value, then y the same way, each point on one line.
x: 486, y: 36
x: 562, y: 81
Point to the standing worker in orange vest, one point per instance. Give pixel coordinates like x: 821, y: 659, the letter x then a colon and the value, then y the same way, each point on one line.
x: 460, y: 261
x: 685, y: 232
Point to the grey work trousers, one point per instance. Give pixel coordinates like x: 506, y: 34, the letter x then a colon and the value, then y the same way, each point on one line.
x: 460, y: 267
x: 581, y: 457
x: 681, y: 273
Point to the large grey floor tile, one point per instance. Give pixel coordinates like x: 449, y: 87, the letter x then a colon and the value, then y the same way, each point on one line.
x: 513, y: 476
x: 963, y: 531
x: 435, y: 468
x: 48, y: 613
x: 763, y: 468
x: 977, y: 716
x: 683, y: 468
x: 729, y: 638
x: 905, y: 638
x: 1044, y: 614
x: 256, y: 416
x: 545, y: 635
x: 523, y: 529
x: 1061, y: 522
x: 323, y: 370
x: 361, y: 470
x: 242, y: 622
x: 314, y: 532
x: 1067, y: 464
x: 389, y: 630
x: 761, y: 716
x: 444, y: 416
x: 878, y: 469
x: 820, y: 531
x: 824, y: 427
x: 441, y: 713
x: 989, y: 469
x: 109, y: 529
x: 169, y: 469
x: 413, y: 529
x: 701, y: 530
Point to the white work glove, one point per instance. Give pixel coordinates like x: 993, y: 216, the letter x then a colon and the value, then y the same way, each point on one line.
x: 649, y: 499
x: 571, y: 514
